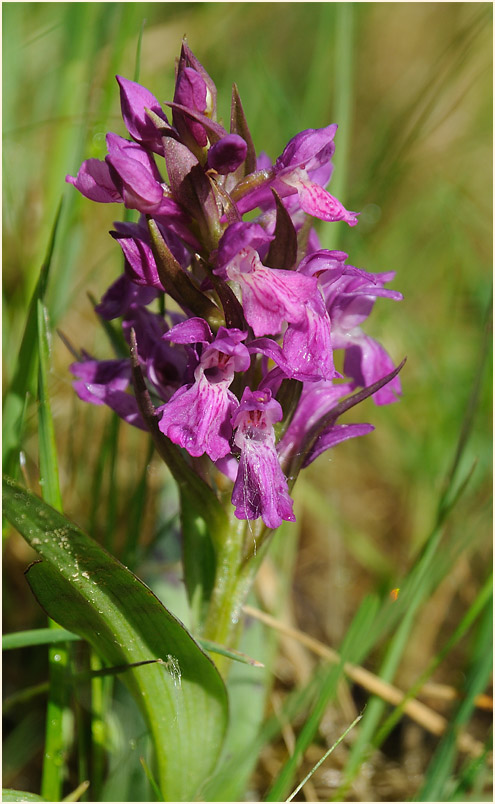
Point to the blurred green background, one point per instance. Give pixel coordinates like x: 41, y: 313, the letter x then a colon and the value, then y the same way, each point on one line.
x: 410, y: 85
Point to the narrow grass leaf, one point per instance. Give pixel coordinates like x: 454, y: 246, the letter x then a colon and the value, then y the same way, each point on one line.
x: 24, y: 695
x: 37, y: 636
x: 474, y: 777
x: 350, y: 651
x: 184, y: 699
x: 235, y: 655
x: 467, y: 621
x: 241, y: 763
x: 78, y: 792
x: 324, y: 757
x: 137, y: 67
x: 57, y: 743
x: 158, y: 793
x: 439, y: 781
x: 49, y: 477
x: 18, y: 795
x: 24, y: 380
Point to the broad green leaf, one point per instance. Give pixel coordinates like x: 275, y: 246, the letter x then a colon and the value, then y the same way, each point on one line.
x: 89, y: 592
x: 19, y: 795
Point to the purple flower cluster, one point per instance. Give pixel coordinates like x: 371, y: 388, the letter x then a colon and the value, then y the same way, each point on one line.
x: 236, y: 322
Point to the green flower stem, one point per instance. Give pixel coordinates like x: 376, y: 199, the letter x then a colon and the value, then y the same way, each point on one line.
x: 233, y: 581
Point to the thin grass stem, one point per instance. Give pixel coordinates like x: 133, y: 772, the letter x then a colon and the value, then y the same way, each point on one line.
x: 324, y: 757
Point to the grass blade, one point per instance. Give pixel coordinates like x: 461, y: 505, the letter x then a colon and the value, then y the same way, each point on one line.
x: 438, y: 783
x: 467, y: 621
x: 350, y: 651
x: 49, y: 478
x: 24, y: 380
x: 322, y: 760
x: 57, y: 745
x: 38, y: 636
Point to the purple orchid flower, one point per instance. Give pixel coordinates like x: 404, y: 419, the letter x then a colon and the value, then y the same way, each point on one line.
x: 260, y: 489
x: 227, y: 154
x: 198, y: 416
x: 191, y: 91
x: 303, y: 164
x: 140, y: 264
x: 275, y: 304
x: 316, y: 400
x: 121, y: 296
x: 104, y: 382
x: 128, y: 175
x: 135, y: 100
x: 350, y: 297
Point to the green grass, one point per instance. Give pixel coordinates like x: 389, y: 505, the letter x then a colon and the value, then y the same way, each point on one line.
x: 410, y: 87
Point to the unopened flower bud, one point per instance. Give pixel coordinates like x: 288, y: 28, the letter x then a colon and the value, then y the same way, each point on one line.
x: 227, y: 154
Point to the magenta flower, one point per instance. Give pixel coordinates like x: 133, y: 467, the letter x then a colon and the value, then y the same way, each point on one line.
x: 134, y: 101
x: 260, y: 489
x: 212, y: 305
x: 198, y: 416
x: 104, y: 382
x: 128, y: 175
x: 302, y: 168
x: 227, y: 154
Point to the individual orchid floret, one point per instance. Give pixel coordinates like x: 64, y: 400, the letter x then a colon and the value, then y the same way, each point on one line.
x: 198, y: 416
x: 238, y: 236
x: 121, y: 296
x: 188, y: 59
x: 94, y: 181
x: 128, y: 175
x: 135, y: 102
x: 194, y: 104
x: 191, y: 91
x: 366, y: 361
x: 140, y: 264
x: 334, y: 435
x: 302, y: 168
x: 350, y: 295
x: 227, y: 154
x: 317, y: 201
x: 305, y: 154
x: 104, y: 382
x: 308, y: 343
x: 135, y: 175
x: 270, y: 296
x: 260, y: 489
x: 316, y: 400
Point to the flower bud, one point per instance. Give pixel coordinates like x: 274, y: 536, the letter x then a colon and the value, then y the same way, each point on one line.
x: 227, y: 154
